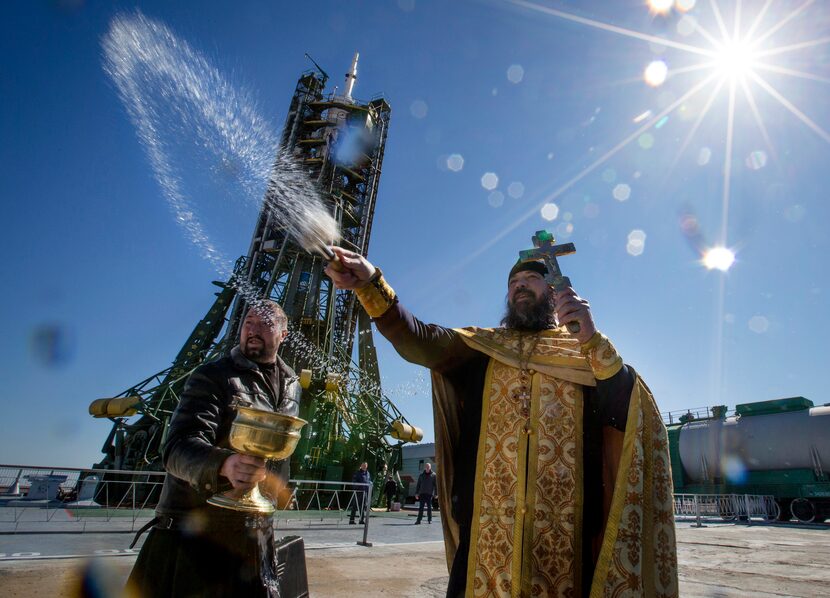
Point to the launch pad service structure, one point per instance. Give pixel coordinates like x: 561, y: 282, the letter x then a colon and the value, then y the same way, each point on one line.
x: 341, y: 142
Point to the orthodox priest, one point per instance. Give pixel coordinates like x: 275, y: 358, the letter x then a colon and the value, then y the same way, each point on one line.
x: 552, y: 457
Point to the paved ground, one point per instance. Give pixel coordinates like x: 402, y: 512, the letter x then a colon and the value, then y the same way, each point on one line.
x: 719, y: 560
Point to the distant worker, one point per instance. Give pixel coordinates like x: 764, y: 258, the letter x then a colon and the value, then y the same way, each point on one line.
x: 390, y: 489
x: 362, y: 481
x: 424, y: 490
x: 553, y: 459
x: 195, y: 549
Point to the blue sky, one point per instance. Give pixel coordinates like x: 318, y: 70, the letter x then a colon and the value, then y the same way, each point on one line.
x: 95, y: 260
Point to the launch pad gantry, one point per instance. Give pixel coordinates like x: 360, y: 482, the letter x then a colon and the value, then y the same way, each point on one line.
x: 341, y: 143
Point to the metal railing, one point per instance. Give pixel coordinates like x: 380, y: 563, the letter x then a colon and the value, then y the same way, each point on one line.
x: 725, y: 507
x: 54, y: 499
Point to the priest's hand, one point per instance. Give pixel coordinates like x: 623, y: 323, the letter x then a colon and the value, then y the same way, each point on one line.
x: 351, y: 270
x: 243, y: 471
x: 570, y: 307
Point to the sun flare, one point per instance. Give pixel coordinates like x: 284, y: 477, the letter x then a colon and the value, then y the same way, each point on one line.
x: 736, y: 59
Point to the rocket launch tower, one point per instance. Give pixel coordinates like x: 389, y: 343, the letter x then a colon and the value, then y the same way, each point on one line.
x: 341, y: 142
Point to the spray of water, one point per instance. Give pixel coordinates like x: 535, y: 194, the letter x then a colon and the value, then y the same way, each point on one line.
x: 172, y: 92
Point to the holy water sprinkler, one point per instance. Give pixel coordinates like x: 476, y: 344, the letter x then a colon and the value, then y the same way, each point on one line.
x: 544, y: 249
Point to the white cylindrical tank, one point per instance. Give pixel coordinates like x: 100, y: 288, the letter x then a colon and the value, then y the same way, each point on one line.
x: 791, y: 440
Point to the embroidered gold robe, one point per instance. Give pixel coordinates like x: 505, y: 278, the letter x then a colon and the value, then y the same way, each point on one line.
x: 527, y: 514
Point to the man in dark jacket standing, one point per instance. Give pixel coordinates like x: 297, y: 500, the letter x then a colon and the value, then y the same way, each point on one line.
x: 195, y: 549
x: 424, y: 491
x: 361, y: 476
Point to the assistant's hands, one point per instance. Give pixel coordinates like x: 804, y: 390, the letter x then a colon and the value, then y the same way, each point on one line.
x: 243, y: 471
x: 570, y: 307
x: 356, y: 270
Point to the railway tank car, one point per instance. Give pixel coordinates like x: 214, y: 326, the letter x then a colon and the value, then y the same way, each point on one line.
x: 779, y: 448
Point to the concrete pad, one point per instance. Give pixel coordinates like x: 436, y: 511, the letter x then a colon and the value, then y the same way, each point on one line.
x: 725, y: 560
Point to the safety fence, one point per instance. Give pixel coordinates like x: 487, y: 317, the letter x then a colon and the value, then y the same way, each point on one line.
x: 57, y: 500
x: 725, y: 507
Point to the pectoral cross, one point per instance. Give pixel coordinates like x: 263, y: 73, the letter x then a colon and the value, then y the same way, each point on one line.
x: 545, y: 249
x: 523, y: 394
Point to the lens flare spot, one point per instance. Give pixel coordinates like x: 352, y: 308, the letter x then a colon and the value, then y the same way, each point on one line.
x: 662, y: 7
x: 756, y: 160
x: 609, y: 175
x: 550, y: 211
x: 489, y: 180
x: 703, y: 156
x: 646, y: 141
x: 455, y: 162
x: 685, y: 5
x: 656, y: 73
x: 718, y: 258
x: 564, y: 230
x: 591, y: 210
x: 495, y: 199
x: 550, y: 155
x: 515, y: 73
x: 686, y: 25
x: 636, y: 242
x: 758, y: 324
x: 661, y: 122
x: 641, y: 117
x: 734, y: 469
x: 419, y: 109
x: 621, y: 192
x: 794, y: 213
x: 515, y: 189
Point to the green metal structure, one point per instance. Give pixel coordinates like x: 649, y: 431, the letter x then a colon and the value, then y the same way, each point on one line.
x: 350, y: 419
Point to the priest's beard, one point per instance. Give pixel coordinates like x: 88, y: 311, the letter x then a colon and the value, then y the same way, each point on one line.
x: 534, y: 316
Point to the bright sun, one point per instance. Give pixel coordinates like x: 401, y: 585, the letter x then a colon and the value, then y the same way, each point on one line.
x: 735, y: 59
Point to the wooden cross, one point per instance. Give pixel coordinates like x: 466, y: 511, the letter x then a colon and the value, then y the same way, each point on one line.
x: 545, y: 249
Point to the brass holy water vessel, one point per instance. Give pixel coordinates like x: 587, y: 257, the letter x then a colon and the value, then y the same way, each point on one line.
x: 262, y: 434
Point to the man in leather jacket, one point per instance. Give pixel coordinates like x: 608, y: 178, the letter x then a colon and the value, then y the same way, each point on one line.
x: 195, y: 548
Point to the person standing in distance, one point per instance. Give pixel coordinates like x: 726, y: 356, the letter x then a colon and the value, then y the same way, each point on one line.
x: 424, y: 490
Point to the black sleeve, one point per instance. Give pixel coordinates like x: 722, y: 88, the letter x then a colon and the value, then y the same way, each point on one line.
x: 190, y: 452
x: 613, y: 396
x: 432, y: 346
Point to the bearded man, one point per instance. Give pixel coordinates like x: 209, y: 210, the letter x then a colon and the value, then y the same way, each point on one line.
x: 195, y: 549
x: 552, y: 456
